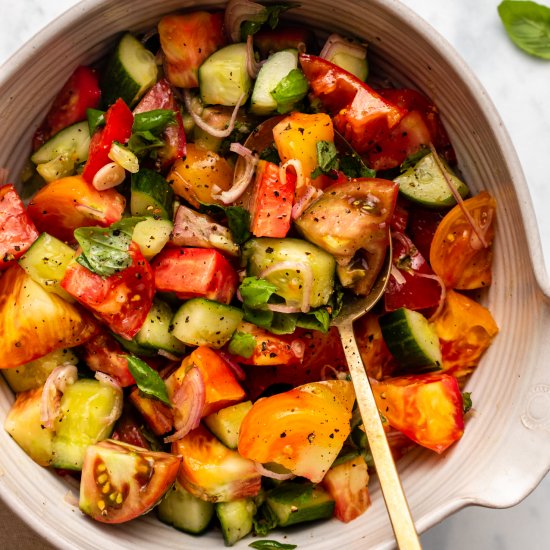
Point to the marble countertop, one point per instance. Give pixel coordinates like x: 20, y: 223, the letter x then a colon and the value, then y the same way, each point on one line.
x: 518, y: 85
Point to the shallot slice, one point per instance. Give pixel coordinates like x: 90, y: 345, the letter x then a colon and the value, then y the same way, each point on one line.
x: 188, y: 100
x: 335, y: 41
x: 252, y: 66
x: 460, y: 201
x: 116, y: 411
x: 55, y: 385
x: 397, y: 275
x: 310, y: 195
x: 233, y: 365
x: 261, y: 469
x: 188, y: 401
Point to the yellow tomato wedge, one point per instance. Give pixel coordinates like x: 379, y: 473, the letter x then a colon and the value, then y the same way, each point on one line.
x: 465, y: 330
x: 34, y: 322
x: 302, y: 429
x: 195, y: 176
x: 296, y: 137
x: 211, y: 471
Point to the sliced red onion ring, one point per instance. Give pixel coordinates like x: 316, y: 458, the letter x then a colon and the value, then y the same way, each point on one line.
x: 239, y: 185
x: 298, y: 347
x: 239, y: 11
x: 397, y: 275
x: 281, y: 308
x: 55, y: 385
x: 300, y: 206
x: 459, y: 200
x: 252, y: 66
x: 241, y: 150
x: 297, y: 165
x: 307, y: 278
x: 116, y: 411
x: 205, y: 126
x: 233, y: 365
x: 261, y: 469
x: 168, y: 355
x: 188, y: 401
x: 335, y: 374
x: 335, y: 41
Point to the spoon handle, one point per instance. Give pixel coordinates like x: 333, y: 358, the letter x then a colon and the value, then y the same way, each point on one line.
x: 396, y: 502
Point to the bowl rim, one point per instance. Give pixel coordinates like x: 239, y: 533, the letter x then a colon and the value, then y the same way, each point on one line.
x: 88, y: 8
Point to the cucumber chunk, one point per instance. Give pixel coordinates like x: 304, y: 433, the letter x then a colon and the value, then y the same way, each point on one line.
x: 272, y: 72
x: 292, y: 503
x: 88, y: 412
x: 151, y: 195
x: 184, y: 511
x: 73, y: 141
x: 151, y: 235
x: 411, y: 340
x: 226, y: 423
x: 223, y: 77
x: 155, y: 330
x: 264, y: 253
x: 46, y: 262
x: 202, y: 322
x: 34, y: 374
x: 425, y: 184
x: 235, y: 519
x: 130, y: 72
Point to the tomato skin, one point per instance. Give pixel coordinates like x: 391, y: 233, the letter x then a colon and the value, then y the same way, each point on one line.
x: 195, y: 272
x: 302, y: 429
x: 35, y: 322
x: 161, y: 96
x: 221, y: 386
x: 347, y: 485
x: 121, y: 482
x: 272, y: 202
x: 187, y: 40
x: 103, y: 353
x: 80, y: 92
x: 465, y: 330
x: 360, y: 114
x: 129, y: 430
x: 268, y: 41
x: 118, y: 127
x: 413, y: 100
x: 323, y: 358
x: 17, y: 231
x: 194, y: 176
x: 426, y: 408
x: 416, y: 291
x: 213, y: 472
x: 122, y: 300
x: 456, y: 253
x: 379, y: 362
x: 158, y: 416
x: 66, y: 204
x: 271, y: 349
x: 422, y: 225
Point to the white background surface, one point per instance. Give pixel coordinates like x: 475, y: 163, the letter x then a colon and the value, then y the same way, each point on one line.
x: 519, y: 85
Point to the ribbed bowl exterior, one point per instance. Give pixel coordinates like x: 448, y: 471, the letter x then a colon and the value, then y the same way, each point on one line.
x: 506, y: 448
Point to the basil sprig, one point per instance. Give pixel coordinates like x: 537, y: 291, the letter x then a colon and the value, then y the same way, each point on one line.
x: 527, y: 25
x: 271, y: 545
x: 147, y: 379
x: 106, y: 250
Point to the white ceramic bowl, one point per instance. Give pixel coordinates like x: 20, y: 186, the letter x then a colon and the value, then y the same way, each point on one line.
x: 506, y: 448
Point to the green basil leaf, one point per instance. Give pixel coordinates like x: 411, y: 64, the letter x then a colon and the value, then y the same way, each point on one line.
x: 466, y: 401
x: 269, y: 15
x: 283, y: 323
x: 242, y: 344
x: 352, y: 165
x: 259, y: 317
x: 105, y: 250
x: 271, y: 154
x: 527, y: 25
x: 256, y: 292
x: 291, y: 89
x: 238, y: 219
x: 153, y: 121
x: 143, y: 142
x: 316, y: 319
x: 327, y: 158
x: 147, y: 379
x: 96, y: 118
x: 271, y: 545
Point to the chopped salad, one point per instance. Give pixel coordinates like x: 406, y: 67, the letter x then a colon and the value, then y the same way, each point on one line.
x: 201, y: 203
